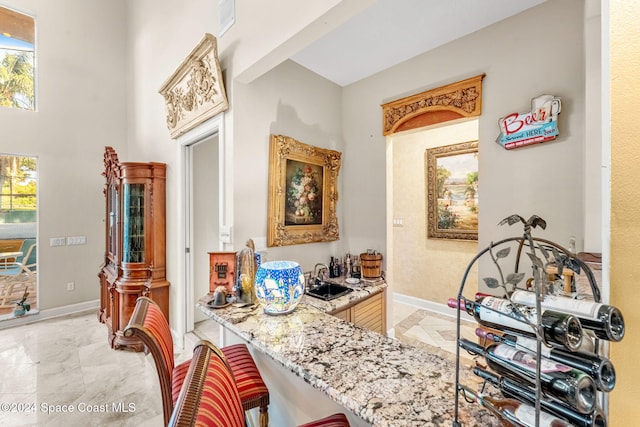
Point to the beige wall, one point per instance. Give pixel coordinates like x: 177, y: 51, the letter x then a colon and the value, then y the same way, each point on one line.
x: 305, y: 106
x: 429, y: 269
x: 84, y: 105
x: 80, y: 101
x: 288, y: 100
x: 546, y: 179
x: 160, y: 34
x: 625, y: 196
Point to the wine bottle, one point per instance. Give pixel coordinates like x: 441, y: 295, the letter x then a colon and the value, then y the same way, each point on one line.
x: 598, y: 367
x: 512, y: 412
x: 604, y: 320
x: 559, y: 329
x: 568, y: 385
x: 332, y: 268
x: 517, y: 390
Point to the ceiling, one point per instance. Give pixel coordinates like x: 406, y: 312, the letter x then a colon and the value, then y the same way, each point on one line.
x: 392, y: 31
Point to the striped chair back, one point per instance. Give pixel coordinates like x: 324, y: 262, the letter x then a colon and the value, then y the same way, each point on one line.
x: 149, y: 325
x: 209, y: 395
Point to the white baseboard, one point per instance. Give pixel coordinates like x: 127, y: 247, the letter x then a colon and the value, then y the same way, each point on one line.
x: 78, y: 308
x: 434, y: 307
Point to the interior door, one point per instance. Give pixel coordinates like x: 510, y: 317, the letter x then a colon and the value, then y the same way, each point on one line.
x: 204, y: 215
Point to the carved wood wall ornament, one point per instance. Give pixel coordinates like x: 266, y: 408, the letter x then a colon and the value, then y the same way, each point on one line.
x: 195, y: 91
x: 450, y: 102
x: 112, y: 171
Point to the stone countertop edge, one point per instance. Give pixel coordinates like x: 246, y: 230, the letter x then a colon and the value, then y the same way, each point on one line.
x: 381, y: 380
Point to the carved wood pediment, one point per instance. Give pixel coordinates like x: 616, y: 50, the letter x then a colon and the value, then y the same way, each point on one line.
x: 450, y: 102
x: 195, y: 91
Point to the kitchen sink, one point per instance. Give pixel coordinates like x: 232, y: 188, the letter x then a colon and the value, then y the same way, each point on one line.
x: 328, y: 291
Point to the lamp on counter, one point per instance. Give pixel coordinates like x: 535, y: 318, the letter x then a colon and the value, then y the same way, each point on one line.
x: 279, y: 286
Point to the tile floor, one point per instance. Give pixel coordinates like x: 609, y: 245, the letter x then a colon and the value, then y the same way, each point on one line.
x: 431, y: 331
x: 61, y: 372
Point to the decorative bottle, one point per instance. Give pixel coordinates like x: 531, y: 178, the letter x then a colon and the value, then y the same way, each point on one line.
x: 245, y: 289
x: 559, y: 329
x: 605, y: 321
x: 566, y: 384
x: 347, y: 265
x: 599, y: 368
x: 335, y: 270
x: 512, y: 412
x: 517, y: 390
x: 356, y: 268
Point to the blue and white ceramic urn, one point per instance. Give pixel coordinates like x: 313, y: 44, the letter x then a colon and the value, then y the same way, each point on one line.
x: 279, y: 286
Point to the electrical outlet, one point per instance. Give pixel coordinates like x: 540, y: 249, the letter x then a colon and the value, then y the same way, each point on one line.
x: 71, y: 286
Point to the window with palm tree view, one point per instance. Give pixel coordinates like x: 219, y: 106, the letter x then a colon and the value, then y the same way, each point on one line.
x: 18, y: 235
x: 17, y: 71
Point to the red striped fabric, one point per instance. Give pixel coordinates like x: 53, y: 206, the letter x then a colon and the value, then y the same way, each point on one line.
x: 177, y: 379
x: 159, y: 327
x: 335, y: 420
x: 220, y: 404
x: 253, y: 391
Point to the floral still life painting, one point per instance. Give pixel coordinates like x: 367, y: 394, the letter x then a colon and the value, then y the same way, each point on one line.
x: 303, y: 193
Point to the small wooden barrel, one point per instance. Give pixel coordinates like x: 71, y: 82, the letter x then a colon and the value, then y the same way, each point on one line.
x: 371, y: 265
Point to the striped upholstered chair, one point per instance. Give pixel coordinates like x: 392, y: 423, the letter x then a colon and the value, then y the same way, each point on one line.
x: 151, y: 327
x: 209, y: 396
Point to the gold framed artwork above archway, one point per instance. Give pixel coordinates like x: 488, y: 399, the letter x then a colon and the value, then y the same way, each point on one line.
x: 453, y: 101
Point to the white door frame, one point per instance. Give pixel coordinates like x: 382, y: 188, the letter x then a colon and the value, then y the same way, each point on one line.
x: 185, y: 307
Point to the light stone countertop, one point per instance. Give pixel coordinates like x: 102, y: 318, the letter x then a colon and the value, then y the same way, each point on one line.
x: 381, y: 380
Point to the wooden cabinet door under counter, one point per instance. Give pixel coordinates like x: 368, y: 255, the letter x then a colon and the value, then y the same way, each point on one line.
x: 369, y: 313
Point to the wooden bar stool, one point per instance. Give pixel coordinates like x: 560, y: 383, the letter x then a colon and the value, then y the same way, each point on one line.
x: 210, y: 397
x: 151, y: 327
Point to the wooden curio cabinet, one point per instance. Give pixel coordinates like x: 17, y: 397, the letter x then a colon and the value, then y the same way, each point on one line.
x: 135, y: 254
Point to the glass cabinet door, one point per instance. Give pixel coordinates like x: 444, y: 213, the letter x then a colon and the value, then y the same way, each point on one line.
x: 112, y: 238
x: 133, y: 223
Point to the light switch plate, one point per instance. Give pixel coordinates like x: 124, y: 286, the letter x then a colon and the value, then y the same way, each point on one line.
x: 57, y: 241
x: 225, y: 234
x: 76, y: 240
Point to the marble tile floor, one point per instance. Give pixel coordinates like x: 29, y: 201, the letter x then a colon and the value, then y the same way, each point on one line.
x: 434, y: 332
x: 61, y: 372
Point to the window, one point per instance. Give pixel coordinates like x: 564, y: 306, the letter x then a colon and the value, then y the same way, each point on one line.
x: 18, y: 178
x: 17, y: 69
x: 18, y: 234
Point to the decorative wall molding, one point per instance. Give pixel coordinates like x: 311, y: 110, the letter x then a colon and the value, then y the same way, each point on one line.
x: 450, y: 102
x: 195, y: 91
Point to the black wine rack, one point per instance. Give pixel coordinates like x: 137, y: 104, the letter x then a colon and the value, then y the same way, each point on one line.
x: 540, y: 254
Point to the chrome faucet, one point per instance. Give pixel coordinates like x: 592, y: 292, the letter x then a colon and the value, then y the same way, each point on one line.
x: 316, y: 273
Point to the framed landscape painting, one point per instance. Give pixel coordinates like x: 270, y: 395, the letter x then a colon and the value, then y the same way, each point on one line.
x: 452, y: 191
x: 303, y: 193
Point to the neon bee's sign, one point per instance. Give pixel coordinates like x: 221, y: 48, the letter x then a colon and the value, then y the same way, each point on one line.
x: 536, y: 126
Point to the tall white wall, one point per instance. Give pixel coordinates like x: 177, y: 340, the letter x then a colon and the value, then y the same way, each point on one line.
x: 98, y: 83
x: 291, y: 101
x: 162, y: 33
x: 81, y: 108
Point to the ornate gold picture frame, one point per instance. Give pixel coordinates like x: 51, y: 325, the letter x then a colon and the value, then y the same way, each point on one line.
x: 303, y: 193
x: 452, y: 191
